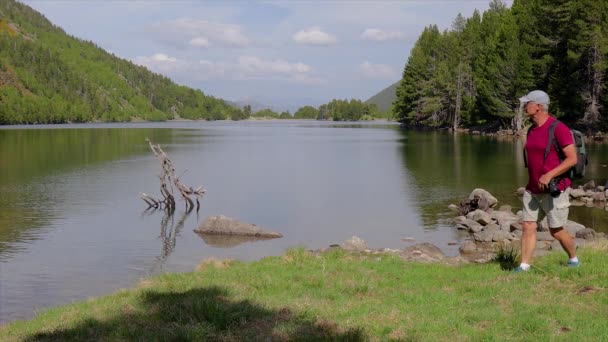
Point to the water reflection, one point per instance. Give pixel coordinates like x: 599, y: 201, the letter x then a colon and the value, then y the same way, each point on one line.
x: 447, y: 167
x: 38, y: 168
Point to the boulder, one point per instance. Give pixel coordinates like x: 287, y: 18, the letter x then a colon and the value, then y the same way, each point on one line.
x: 355, y: 244
x: 501, y: 235
x: 454, y: 208
x: 516, y: 226
x: 480, y: 217
x: 467, y: 247
x: 577, y: 193
x: 506, y: 208
x: 544, y: 236
x: 587, y: 234
x: 573, y: 227
x: 222, y: 225
x: 460, y: 219
x: 485, y: 195
x: 484, y: 236
x: 590, y: 185
x: 521, y: 191
x: 424, y: 252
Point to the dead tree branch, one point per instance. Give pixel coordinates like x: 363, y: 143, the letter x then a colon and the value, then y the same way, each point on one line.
x: 169, y: 181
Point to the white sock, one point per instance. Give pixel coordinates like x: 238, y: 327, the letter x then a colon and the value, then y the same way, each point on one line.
x: 575, y: 259
x: 524, y: 266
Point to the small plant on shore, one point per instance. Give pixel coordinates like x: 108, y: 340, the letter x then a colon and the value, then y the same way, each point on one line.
x: 507, y: 256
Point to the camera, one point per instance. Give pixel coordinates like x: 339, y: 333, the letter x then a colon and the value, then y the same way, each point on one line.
x: 553, y: 188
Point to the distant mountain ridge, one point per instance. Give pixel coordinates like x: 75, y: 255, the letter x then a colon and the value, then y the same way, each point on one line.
x: 48, y: 76
x: 384, y: 99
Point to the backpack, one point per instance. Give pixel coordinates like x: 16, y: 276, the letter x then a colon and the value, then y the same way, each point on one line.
x: 578, y: 170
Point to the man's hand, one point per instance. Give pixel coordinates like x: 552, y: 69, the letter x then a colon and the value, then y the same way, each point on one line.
x: 543, y: 181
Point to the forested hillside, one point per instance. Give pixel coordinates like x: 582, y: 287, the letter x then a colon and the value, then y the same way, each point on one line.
x: 385, y: 98
x: 474, y: 73
x: 47, y: 76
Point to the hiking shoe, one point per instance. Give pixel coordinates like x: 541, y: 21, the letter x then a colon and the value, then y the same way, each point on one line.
x: 574, y: 263
x: 520, y: 269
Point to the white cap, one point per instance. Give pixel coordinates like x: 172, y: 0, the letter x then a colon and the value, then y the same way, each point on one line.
x: 536, y: 96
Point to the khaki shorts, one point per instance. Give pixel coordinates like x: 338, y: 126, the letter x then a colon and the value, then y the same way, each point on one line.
x: 556, y: 209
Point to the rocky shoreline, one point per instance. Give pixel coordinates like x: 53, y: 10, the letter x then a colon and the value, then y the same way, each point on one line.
x: 490, y: 227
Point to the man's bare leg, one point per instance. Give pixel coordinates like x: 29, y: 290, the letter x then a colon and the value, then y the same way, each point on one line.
x: 528, y: 241
x: 565, y: 239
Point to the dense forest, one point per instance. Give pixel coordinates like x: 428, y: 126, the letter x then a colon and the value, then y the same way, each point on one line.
x: 47, y: 76
x: 473, y: 74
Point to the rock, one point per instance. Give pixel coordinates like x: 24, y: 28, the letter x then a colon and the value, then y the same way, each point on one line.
x: 461, y: 226
x: 589, y: 193
x: 600, y: 235
x: 222, y: 225
x: 516, y: 226
x: 590, y: 185
x: 543, y: 225
x: 354, y: 244
x: 480, y: 217
x: 501, y: 235
x: 544, y: 236
x: 492, y: 227
x: 517, y: 234
x: 543, y: 244
x: 483, y: 194
x: 506, y: 208
x: 506, y: 226
x: 424, y: 252
x: 580, y: 242
x: 484, y: 236
x: 577, y: 193
x: 573, y: 227
x: 467, y: 247
x: 599, y: 197
x: 460, y: 219
x: 521, y: 191
x: 452, y: 243
x: 475, y: 228
x: 407, y: 239
x: 555, y: 246
x: 601, y: 188
x: 454, y: 208
x: 502, y: 217
x: 587, y: 234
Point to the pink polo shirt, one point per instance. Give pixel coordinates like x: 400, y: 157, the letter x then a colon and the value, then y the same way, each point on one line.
x: 535, y: 149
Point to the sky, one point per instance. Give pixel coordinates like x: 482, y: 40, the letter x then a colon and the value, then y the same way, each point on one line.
x: 284, y: 54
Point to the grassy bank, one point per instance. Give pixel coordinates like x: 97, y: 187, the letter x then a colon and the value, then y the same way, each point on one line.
x: 339, y: 296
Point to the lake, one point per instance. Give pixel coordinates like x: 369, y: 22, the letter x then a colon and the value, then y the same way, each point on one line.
x: 72, y: 225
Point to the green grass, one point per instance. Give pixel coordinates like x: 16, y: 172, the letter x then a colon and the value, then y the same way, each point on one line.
x: 340, y: 296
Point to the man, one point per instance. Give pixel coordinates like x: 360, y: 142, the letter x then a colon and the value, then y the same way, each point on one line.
x: 540, y: 172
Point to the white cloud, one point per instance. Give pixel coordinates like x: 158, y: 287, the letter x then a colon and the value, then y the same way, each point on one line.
x: 158, y: 59
x: 381, y: 71
x: 199, y: 42
x: 381, y: 35
x: 314, y: 36
x: 244, y: 68
x: 199, y: 33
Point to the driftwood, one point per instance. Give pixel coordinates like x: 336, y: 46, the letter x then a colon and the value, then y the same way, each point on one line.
x: 169, y: 181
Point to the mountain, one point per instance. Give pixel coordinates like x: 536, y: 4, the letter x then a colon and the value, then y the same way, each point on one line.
x: 48, y: 76
x: 384, y: 99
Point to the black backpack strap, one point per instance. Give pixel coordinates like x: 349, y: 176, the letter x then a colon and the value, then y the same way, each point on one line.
x: 524, y: 149
x: 552, y: 140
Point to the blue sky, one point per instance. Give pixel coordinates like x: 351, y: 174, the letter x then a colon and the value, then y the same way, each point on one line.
x: 285, y: 54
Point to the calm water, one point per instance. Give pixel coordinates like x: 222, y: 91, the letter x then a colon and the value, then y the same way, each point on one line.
x: 72, y: 225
